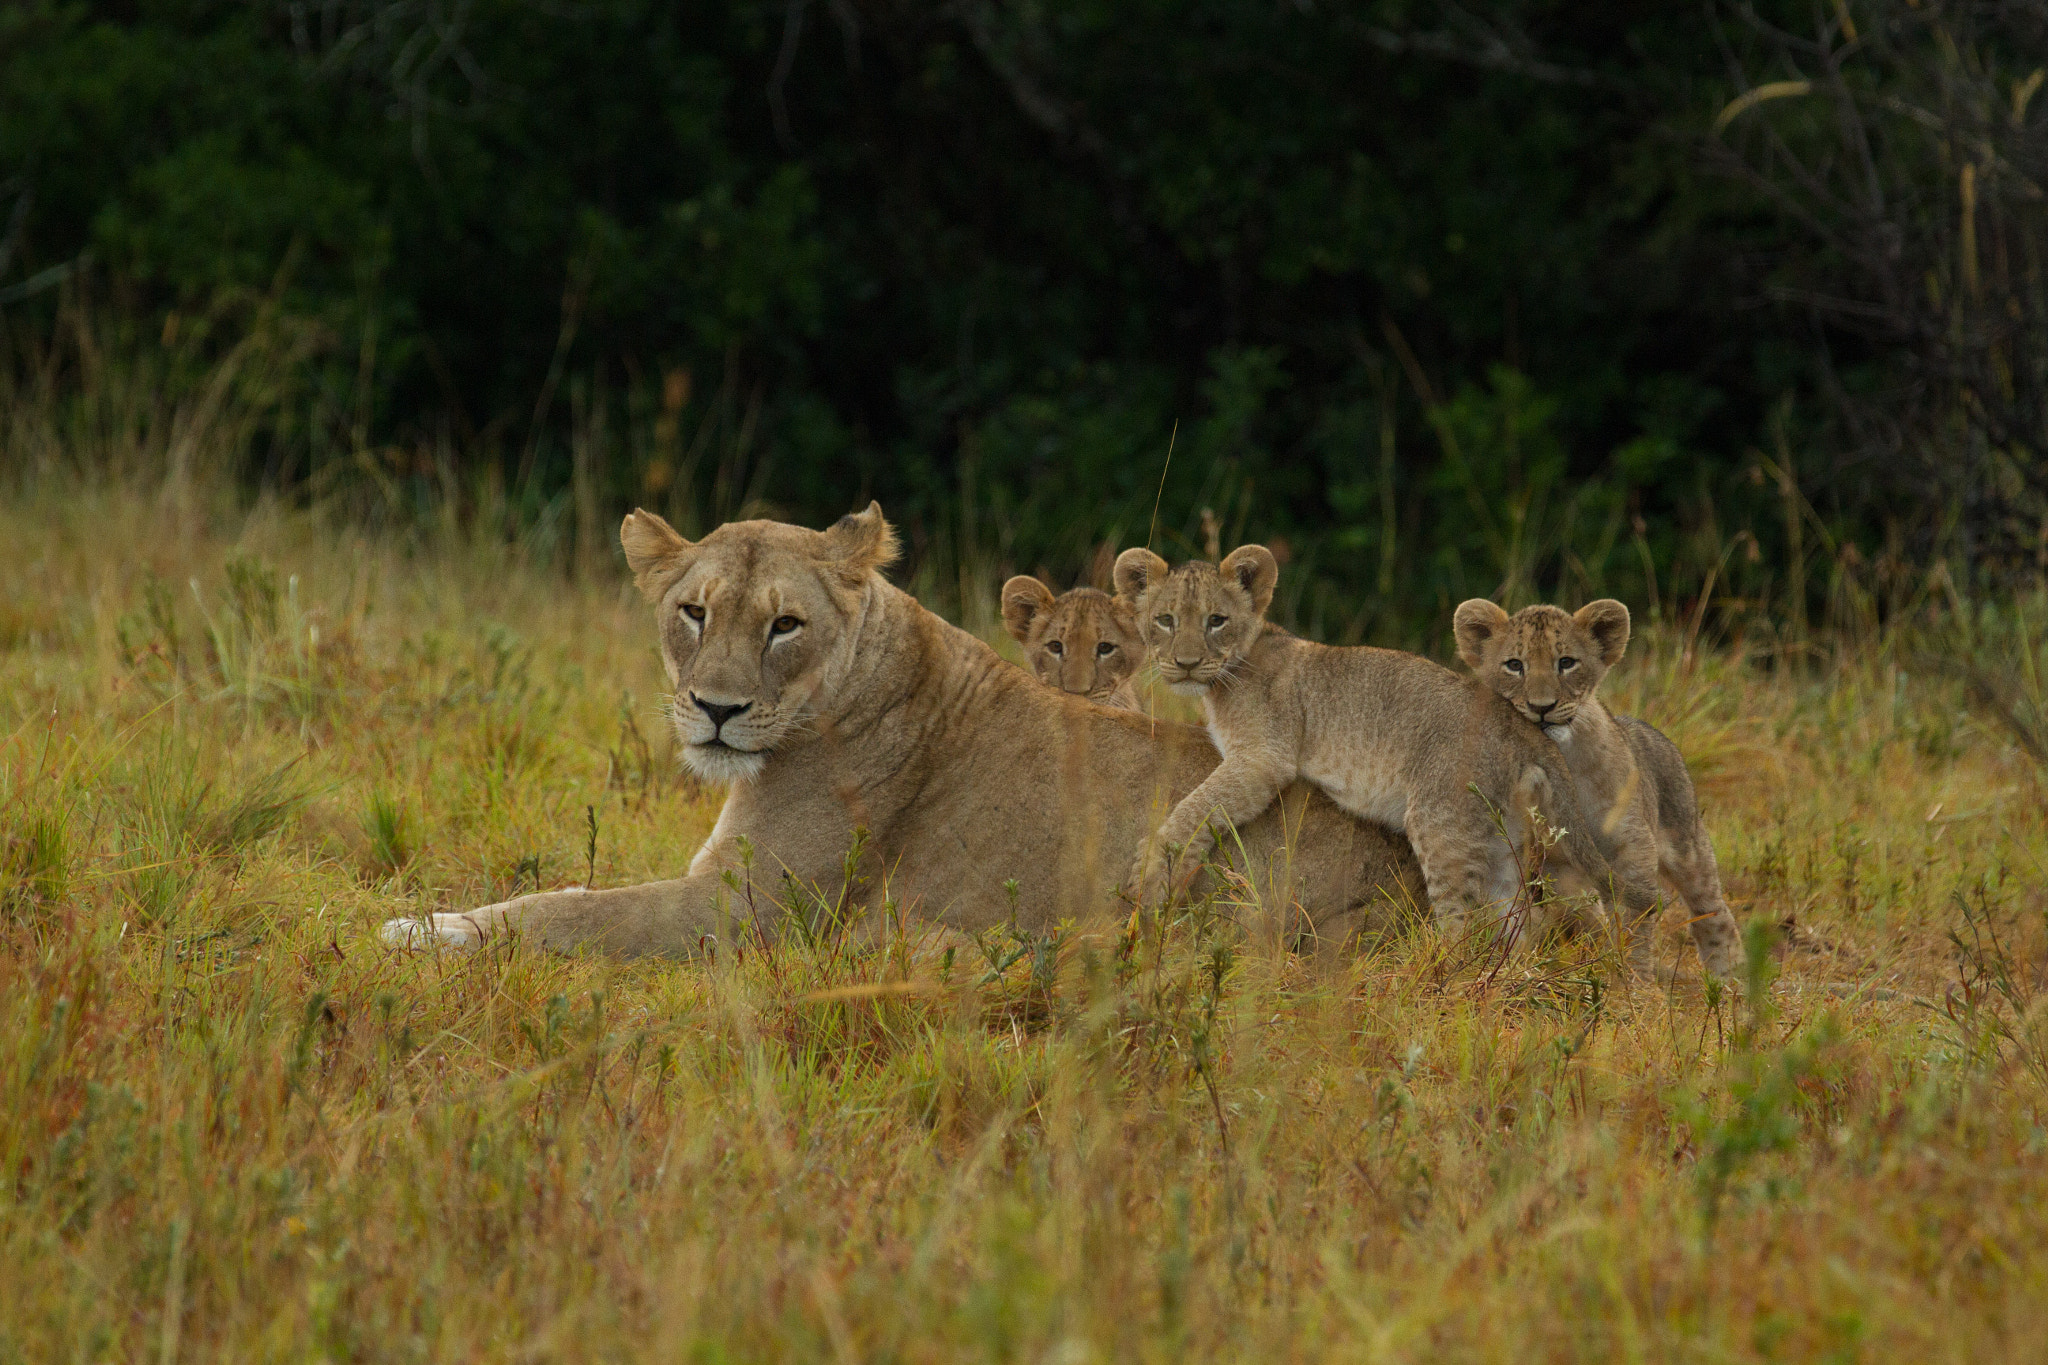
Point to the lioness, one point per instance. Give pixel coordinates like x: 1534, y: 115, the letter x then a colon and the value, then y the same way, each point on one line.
x: 1631, y: 780
x: 1083, y: 641
x: 1391, y: 737
x: 831, y: 701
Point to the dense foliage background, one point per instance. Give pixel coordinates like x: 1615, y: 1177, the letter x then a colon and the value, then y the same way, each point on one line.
x: 1445, y: 298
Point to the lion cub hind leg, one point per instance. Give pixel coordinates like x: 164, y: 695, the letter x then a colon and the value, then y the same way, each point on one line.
x: 1687, y: 858
x: 1685, y: 851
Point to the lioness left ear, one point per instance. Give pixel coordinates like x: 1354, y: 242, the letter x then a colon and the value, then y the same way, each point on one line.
x: 1606, y: 621
x: 1474, y: 623
x: 1253, y: 568
x: 862, y: 541
x: 652, y: 547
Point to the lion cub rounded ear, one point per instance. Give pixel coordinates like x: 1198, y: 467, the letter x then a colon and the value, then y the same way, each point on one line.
x: 1253, y: 568
x: 1474, y: 623
x: 1137, y: 571
x: 1024, y: 600
x: 862, y: 541
x: 1606, y: 621
x: 652, y: 547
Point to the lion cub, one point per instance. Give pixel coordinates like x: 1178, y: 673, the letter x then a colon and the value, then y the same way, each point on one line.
x: 1082, y: 641
x: 1391, y: 737
x: 1631, y: 781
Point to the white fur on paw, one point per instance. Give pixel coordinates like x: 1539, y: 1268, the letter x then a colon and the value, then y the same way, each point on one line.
x: 453, y: 931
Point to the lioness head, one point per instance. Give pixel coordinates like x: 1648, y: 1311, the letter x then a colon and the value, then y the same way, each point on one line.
x: 1543, y: 659
x: 755, y: 619
x: 1082, y: 641
x: 1200, y: 618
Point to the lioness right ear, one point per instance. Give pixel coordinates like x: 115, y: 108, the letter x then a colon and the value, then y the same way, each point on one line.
x: 1137, y: 570
x: 1253, y: 568
x: 1024, y: 597
x: 651, y: 549
x: 1607, y: 622
x: 1474, y: 623
x: 862, y: 541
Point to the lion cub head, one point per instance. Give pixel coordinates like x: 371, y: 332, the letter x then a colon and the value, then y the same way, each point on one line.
x: 1085, y: 642
x: 753, y: 622
x: 1200, y: 618
x: 1543, y: 659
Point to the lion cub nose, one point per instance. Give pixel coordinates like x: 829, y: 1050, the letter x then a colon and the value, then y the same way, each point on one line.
x: 718, y: 712
x: 1542, y: 708
x: 1186, y: 665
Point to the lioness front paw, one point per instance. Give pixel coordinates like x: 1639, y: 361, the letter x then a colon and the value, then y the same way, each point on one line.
x: 463, y: 929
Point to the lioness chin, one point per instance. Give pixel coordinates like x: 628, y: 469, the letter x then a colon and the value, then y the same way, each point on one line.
x: 833, y: 702
x: 1630, y: 779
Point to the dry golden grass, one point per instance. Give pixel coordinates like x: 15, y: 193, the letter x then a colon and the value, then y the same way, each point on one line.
x: 234, y: 1127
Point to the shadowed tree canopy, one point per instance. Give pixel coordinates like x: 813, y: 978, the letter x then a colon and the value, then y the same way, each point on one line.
x: 1448, y: 299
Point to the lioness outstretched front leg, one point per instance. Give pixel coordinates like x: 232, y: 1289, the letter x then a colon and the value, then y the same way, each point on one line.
x: 1237, y: 791
x: 665, y: 918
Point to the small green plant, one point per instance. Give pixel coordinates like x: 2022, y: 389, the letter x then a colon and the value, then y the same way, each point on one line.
x: 389, y: 828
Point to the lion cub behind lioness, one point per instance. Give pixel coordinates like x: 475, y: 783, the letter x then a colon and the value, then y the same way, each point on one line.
x: 1391, y: 737
x: 1083, y: 641
x: 1631, y: 780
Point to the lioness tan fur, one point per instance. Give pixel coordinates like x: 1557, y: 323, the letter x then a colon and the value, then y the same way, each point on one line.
x: 1631, y: 780
x: 1393, y: 738
x: 831, y: 701
x: 1083, y: 641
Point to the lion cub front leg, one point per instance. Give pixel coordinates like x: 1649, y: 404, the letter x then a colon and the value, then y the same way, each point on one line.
x: 1236, y: 792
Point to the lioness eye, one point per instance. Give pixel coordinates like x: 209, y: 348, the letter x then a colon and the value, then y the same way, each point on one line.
x: 1055, y: 648
x: 1163, y: 621
x: 1567, y: 664
x: 694, y: 612
x: 1218, y: 622
x: 1105, y: 649
x: 783, y: 625
x: 1512, y: 665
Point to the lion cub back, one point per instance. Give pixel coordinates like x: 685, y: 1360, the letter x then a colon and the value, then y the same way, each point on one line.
x: 1082, y: 641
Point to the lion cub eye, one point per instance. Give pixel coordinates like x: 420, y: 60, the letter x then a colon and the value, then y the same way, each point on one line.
x: 783, y: 625
x: 1512, y: 665
x: 1164, y: 622
x: 1567, y: 664
x: 1105, y: 649
x: 694, y: 612
x: 1055, y: 648
x: 1218, y: 622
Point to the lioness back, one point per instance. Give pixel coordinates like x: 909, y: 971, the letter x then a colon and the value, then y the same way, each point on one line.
x: 1391, y: 737
x: 1632, y: 781
x: 1083, y: 641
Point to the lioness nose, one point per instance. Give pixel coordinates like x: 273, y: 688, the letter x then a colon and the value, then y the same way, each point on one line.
x: 719, y: 712
x: 1186, y: 665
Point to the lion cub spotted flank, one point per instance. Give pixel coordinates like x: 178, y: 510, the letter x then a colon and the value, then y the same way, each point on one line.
x: 1631, y: 781
x: 1083, y: 641
x: 1393, y: 738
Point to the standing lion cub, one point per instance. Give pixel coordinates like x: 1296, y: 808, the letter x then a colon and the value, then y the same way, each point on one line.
x: 1631, y: 780
x: 1391, y: 737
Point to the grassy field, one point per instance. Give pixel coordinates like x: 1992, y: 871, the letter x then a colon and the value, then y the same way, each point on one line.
x: 234, y: 1127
